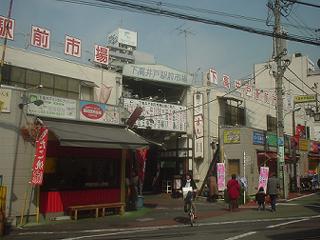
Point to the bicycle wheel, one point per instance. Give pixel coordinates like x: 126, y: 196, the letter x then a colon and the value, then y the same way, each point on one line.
x: 191, y: 216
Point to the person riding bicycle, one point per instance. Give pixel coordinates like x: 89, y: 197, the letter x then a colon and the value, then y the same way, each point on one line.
x: 189, y: 183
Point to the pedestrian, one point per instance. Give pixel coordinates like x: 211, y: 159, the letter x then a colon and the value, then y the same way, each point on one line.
x: 272, y: 187
x: 233, y: 189
x: 261, y: 198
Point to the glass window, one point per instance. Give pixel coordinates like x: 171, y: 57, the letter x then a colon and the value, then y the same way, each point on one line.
x: 18, y: 76
x: 32, y: 78
x: 60, y: 83
x: 73, y: 85
x: 47, y: 80
x: 86, y: 93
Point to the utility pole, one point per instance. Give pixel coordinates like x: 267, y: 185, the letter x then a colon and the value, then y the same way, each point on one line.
x: 4, y: 47
x: 279, y: 52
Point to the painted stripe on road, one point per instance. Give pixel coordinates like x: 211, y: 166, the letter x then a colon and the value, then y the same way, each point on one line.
x: 303, y: 196
x: 241, y: 236
x: 287, y: 223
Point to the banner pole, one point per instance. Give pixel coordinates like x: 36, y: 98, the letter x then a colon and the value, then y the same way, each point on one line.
x: 38, y: 204
x: 24, y: 205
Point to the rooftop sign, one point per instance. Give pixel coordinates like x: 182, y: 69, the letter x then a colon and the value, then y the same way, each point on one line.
x: 157, y: 73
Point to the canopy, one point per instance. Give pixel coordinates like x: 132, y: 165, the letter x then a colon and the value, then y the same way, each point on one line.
x: 91, y: 135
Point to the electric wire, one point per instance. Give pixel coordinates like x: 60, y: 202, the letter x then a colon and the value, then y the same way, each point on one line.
x: 304, y: 3
x: 124, y: 5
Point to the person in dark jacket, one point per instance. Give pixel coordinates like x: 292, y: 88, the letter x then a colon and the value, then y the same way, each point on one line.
x: 260, y: 199
x: 272, y: 188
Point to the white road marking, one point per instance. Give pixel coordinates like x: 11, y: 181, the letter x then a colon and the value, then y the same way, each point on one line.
x: 241, y: 236
x: 108, y: 231
x: 303, y: 196
x: 287, y: 223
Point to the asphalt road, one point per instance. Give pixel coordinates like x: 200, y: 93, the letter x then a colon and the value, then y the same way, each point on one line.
x: 272, y: 229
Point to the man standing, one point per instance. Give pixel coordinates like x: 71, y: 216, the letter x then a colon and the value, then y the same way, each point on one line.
x: 272, y: 187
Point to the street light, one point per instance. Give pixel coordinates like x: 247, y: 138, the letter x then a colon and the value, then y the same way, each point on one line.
x: 37, y: 102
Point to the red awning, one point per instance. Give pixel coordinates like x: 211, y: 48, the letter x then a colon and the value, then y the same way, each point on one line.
x: 272, y: 155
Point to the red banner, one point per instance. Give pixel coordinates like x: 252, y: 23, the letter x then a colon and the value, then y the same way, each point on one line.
x: 40, y: 157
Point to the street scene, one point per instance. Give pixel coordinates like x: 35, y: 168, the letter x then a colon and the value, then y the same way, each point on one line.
x: 137, y: 119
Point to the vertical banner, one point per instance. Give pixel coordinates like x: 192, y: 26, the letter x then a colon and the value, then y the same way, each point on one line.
x: 263, y: 178
x: 40, y: 157
x: 221, y: 176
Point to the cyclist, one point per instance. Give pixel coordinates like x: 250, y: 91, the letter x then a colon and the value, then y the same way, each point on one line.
x: 189, y: 183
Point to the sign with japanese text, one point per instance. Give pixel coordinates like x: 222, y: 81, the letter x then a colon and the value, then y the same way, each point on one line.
x: 198, y: 103
x: 198, y: 143
x: 40, y: 157
x: 263, y: 178
x: 123, y: 36
x: 221, y: 176
x: 303, y: 145
x: 198, y: 125
x: 99, y: 112
x: 258, y: 138
x: 212, y: 77
x: 237, y: 84
x: 156, y: 73
x: 226, y: 81
x: 272, y: 139
x: 304, y: 98
x: 159, y: 116
x: 5, y: 100
x: 231, y: 136
x: 6, y: 28
x: 40, y: 37
x: 53, y: 107
x: 72, y: 46
x: 101, y: 54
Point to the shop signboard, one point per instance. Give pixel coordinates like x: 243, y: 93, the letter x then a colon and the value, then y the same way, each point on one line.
x: 40, y: 157
x: 304, y: 98
x: 263, y: 178
x: 99, y: 112
x: 158, y: 116
x: 5, y: 100
x: 54, y: 107
x: 258, y: 138
x: 231, y: 136
x: 272, y: 139
x: 303, y: 145
x: 198, y: 142
x: 221, y: 176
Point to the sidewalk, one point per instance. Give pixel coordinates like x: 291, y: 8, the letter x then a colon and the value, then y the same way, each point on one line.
x: 160, y: 210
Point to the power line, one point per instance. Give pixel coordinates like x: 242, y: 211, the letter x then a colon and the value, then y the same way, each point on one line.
x: 159, y: 11
x: 304, y: 3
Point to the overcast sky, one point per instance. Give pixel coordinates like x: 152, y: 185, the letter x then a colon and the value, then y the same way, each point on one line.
x: 229, y: 51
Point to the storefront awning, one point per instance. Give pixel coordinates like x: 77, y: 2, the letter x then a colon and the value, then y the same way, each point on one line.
x: 89, y: 135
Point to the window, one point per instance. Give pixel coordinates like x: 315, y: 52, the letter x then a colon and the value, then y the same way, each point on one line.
x: 55, y: 85
x: 271, y: 124
x: 234, y: 115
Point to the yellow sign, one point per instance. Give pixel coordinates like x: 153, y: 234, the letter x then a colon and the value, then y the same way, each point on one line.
x: 303, y: 145
x: 304, y: 98
x: 231, y: 136
x: 5, y: 100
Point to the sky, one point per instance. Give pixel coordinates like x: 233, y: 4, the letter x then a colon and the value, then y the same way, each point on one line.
x: 228, y: 51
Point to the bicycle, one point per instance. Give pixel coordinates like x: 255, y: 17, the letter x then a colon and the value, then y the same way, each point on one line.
x: 189, y: 207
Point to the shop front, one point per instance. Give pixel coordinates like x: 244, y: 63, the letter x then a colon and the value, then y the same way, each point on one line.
x: 86, y: 164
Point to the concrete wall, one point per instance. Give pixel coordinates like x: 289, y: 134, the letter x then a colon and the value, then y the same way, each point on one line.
x: 16, y: 157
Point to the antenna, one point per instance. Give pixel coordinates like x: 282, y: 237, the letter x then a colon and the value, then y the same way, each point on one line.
x: 185, y: 31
